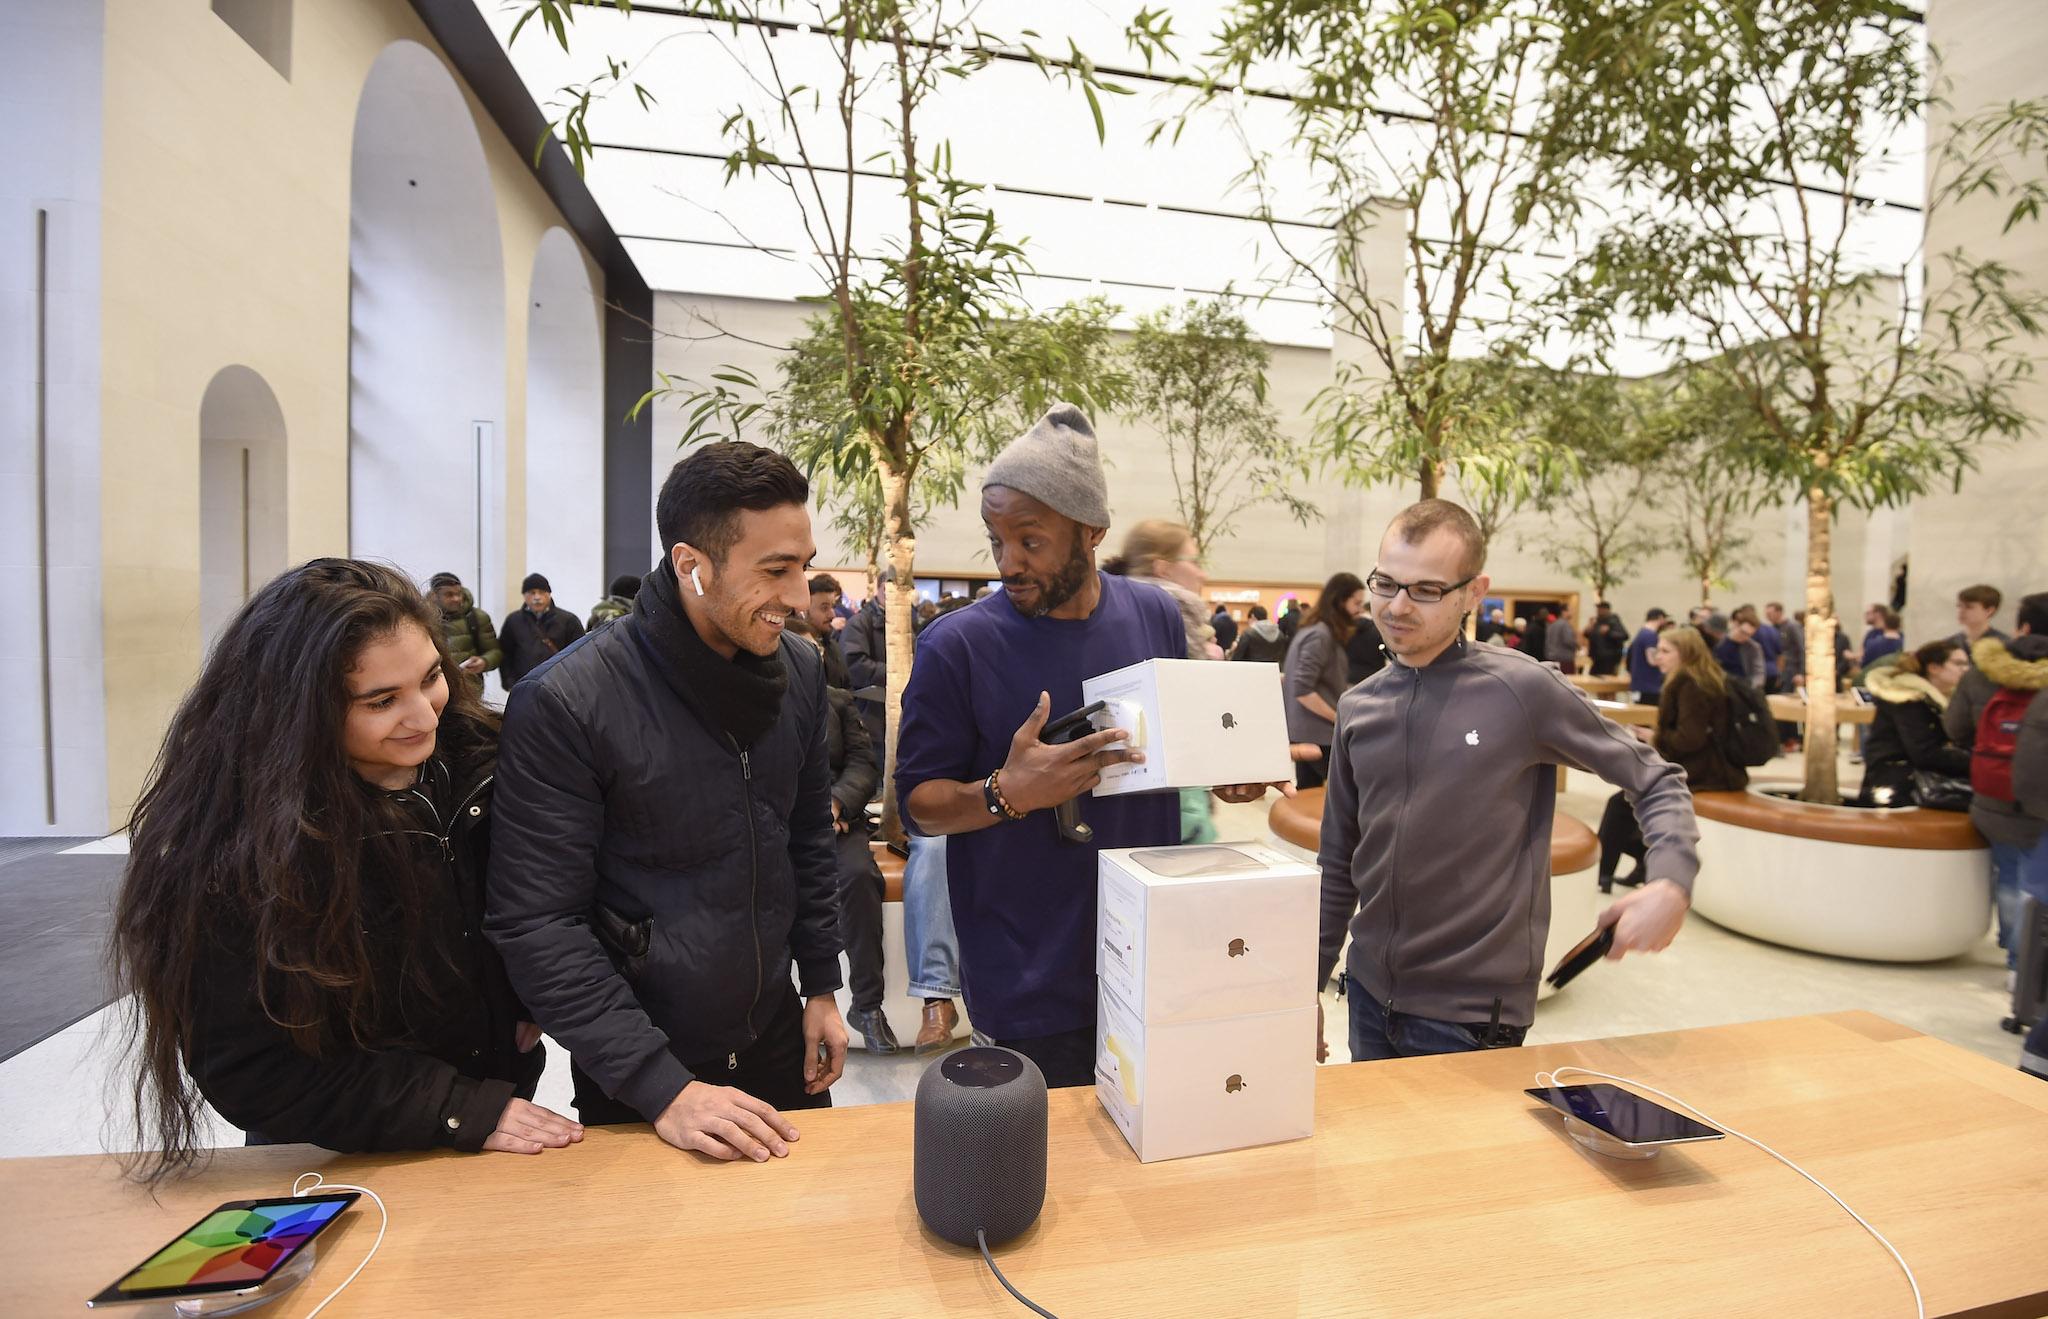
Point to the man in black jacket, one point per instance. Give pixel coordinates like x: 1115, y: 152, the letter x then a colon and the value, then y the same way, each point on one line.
x: 865, y: 644
x: 821, y: 614
x: 664, y: 849
x: 535, y: 632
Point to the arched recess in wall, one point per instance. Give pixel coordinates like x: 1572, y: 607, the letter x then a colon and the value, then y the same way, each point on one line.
x: 241, y: 494
x: 426, y: 331
x: 564, y: 426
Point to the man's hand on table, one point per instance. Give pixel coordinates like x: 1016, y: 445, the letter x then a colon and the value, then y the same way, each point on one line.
x: 1037, y: 777
x: 724, y: 1123
x: 527, y: 1128
x: 1647, y: 920
x: 824, y: 1034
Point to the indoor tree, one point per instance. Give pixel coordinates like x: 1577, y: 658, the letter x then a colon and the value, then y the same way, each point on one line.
x: 1744, y: 137
x: 1199, y: 378
x: 1596, y: 510
x: 1431, y: 115
x: 923, y: 354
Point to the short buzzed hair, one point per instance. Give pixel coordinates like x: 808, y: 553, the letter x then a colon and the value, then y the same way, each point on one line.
x: 1418, y: 522
x: 1990, y: 597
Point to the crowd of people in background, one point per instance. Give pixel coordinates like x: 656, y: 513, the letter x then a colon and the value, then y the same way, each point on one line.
x: 353, y: 924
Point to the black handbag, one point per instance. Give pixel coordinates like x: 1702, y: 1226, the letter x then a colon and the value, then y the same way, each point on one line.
x: 1940, y: 792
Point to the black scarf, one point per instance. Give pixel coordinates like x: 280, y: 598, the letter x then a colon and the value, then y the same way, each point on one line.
x: 740, y: 697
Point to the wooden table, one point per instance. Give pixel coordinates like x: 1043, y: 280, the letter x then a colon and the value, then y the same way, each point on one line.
x: 1596, y: 685
x: 1789, y: 709
x: 1432, y: 1186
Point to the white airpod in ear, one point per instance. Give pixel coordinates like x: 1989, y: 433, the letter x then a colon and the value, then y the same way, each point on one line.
x: 695, y: 581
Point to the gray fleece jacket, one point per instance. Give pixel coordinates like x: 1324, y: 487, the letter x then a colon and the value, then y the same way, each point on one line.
x: 1436, y: 827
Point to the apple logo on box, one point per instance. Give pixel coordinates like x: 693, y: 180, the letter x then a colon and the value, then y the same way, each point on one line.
x: 1234, y: 1084
x: 1229, y: 719
x: 1238, y: 948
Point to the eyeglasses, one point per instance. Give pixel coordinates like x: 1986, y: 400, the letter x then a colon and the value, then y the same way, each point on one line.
x: 1422, y: 593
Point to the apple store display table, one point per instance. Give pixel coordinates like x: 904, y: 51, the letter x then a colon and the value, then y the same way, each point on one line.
x: 1598, y: 684
x: 1432, y: 1186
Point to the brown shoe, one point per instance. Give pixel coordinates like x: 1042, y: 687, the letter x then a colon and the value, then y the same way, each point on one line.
x: 936, y: 1035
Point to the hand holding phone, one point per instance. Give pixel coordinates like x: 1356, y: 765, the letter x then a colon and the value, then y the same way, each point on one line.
x: 1588, y: 951
x: 1040, y: 773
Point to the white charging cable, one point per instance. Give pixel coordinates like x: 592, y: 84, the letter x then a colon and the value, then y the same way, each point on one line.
x: 300, y: 1186
x: 1919, y: 1304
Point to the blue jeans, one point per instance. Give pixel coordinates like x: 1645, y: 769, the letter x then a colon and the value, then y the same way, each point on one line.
x: 931, y: 951
x: 1376, y: 1035
x: 2007, y: 863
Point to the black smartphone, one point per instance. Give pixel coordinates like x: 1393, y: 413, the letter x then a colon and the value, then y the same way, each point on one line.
x: 1629, y: 1118
x: 1590, y: 950
x: 232, y: 1251
x: 1073, y: 726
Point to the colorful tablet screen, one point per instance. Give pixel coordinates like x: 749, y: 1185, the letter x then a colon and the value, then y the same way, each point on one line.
x: 237, y: 1245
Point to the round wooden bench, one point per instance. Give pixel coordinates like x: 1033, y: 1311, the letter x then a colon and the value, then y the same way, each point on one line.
x: 1297, y: 826
x: 1896, y: 885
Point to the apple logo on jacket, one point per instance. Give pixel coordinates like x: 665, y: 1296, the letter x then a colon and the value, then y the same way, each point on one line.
x: 1229, y: 719
x: 1472, y: 738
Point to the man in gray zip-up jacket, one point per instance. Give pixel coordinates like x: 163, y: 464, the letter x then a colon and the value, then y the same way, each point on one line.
x: 1436, y: 826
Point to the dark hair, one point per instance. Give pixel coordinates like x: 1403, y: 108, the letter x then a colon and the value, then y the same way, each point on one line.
x: 1418, y: 522
x: 1602, y: 604
x: 1654, y: 615
x: 826, y: 584
x: 800, y: 625
x: 1929, y: 656
x: 1981, y: 594
x: 2033, y: 613
x: 1341, y: 587
x: 1746, y: 614
x: 1257, y: 613
x: 252, y: 835
x: 626, y: 586
x: 701, y: 500
x: 1116, y: 565
x: 1888, y: 616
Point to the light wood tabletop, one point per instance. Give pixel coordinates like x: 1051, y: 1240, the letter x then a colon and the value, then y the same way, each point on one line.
x: 1598, y: 684
x: 1789, y: 709
x: 1432, y: 1186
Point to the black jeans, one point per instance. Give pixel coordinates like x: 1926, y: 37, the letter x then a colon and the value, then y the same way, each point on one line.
x: 771, y: 1069
x: 1067, y: 1059
x: 860, y: 917
x: 1312, y: 773
x: 1620, y: 835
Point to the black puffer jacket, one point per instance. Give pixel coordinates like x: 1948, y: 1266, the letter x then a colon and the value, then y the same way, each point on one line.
x: 652, y: 882
x: 856, y: 769
x: 450, y: 1064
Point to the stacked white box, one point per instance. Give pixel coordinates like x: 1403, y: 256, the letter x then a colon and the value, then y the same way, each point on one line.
x: 1198, y: 723
x: 1205, y: 957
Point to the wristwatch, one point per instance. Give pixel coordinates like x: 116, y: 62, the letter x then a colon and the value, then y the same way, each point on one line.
x: 992, y: 797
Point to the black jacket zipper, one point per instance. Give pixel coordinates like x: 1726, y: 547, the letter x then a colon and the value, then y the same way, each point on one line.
x: 753, y: 884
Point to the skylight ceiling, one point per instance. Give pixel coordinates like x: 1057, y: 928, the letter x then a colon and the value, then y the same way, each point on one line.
x: 1144, y: 226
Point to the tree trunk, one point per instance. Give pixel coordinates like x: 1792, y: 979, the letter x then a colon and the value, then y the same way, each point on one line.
x: 898, y: 601
x: 1821, y: 777
x: 1430, y: 479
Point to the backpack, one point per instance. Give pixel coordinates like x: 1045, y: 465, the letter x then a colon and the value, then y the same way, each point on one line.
x: 1998, y: 735
x: 1749, y: 735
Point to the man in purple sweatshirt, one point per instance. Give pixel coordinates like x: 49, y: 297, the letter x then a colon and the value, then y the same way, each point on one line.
x: 1436, y: 826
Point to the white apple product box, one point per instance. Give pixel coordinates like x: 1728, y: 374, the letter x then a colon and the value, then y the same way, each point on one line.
x: 1199, y: 723
x: 1206, y: 930
x: 1201, y: 1087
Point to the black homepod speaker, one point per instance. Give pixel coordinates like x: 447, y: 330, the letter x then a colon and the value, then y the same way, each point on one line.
x: 979, y: 1156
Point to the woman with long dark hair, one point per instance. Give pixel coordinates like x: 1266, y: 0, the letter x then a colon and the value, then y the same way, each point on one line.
x: 300, y: 925
x: 1318, y: 670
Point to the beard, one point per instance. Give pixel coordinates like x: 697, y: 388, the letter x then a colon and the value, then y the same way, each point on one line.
x: 1063, y: 585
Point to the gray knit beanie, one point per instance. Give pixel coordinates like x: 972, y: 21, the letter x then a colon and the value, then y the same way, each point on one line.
x: 1057, y: 463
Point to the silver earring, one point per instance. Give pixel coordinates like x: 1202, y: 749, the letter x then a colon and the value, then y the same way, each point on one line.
x: 696, y: 581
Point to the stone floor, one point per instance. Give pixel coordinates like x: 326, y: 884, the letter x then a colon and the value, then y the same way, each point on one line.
x: 64, y: 1095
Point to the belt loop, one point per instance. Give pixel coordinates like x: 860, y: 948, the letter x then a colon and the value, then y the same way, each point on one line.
x: 1493, y: 1025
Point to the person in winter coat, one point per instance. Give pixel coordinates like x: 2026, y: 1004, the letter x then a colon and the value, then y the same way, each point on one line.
x: 1318, y: 672
x: 617, y: 603
x: 823, y: 617
x: 864, y: 643
x: 666, y: 856
x: 535, y: 633
x: 1165, y: 554
x: 1692, y: 715
x: 1911, y: 697
x: 1561, y: 644
x: 1606, y: 639
x: 1260, y: 642
x: 300, y: 924
x: 1645, y: 679
x: 856, y: 774
x: 466, y: 630
x: 2013, y: 825
x: 1226, y: 628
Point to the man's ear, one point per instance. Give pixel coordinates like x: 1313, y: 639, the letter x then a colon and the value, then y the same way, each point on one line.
x: 1094, y: 536
x: 687, y: 560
